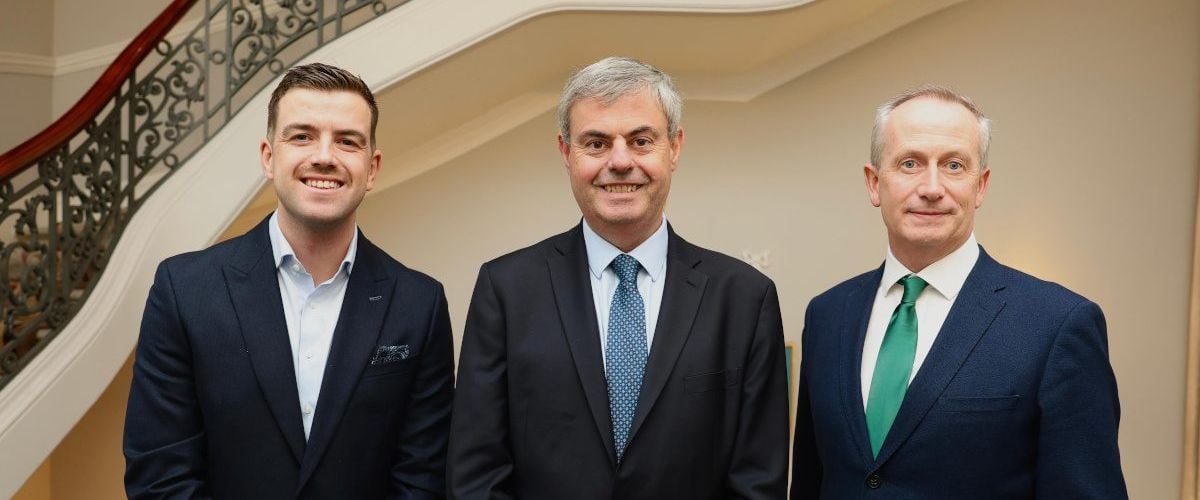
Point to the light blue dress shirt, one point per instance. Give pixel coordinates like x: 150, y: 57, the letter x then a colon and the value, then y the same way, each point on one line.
x: 651, y: 254
x: 312, y: 312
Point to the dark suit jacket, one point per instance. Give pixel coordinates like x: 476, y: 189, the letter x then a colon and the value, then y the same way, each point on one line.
x: 531, y: 408
x: 1016, y: 399
x: 214, y: 409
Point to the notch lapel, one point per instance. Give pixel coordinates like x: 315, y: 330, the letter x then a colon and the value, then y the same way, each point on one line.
x: 682, y: 292
x: 254, y: 287
x: 354, y: 338
x: 573, y: 297
x: 854, y: 320
x: 970, y: 317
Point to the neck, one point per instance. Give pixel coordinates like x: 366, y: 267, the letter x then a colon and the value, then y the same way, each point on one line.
x: 320, y: 250
x: 628, y: 236
x: 917, y: 259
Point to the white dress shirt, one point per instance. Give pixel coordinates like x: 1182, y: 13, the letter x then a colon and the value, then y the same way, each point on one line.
x: 945, y: 278
x: 312, y: 312
x: 651, y: 254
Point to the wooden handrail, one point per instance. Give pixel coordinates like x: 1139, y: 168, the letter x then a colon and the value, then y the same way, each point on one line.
x: 88, y: 106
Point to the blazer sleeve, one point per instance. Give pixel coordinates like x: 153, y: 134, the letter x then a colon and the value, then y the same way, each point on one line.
x: 419, y: 471
x: 758, y: 466
x: 806, y: 462
x: 164, y: 431
x: 480, y: 462
x: 1077, y: 397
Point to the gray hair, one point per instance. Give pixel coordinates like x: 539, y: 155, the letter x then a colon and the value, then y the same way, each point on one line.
x: 938, y: 92
x: 613, y: 77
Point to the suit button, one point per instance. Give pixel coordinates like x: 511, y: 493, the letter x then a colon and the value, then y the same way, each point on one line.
x: 874, y: 481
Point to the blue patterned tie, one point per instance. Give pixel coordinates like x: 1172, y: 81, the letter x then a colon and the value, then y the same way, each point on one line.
x: 625, y: 356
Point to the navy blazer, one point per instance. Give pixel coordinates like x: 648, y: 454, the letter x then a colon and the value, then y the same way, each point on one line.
x: 214, y: 410
x: 531, y: 413
x: 1016, y: 399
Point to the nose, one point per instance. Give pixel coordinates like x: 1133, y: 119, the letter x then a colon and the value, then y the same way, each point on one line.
x: 931, y: 187
x: 621, y: 157
x: 323, y: 156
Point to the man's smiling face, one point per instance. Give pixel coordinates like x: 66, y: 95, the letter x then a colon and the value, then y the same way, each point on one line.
x: 319, y: 157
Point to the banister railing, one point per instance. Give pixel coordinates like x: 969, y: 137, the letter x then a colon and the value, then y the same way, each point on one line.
x: 67, y: 194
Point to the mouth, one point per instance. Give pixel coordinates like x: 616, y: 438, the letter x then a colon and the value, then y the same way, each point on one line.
x: 928, y: 214
x: 621, y: 188
x: 323, y: 184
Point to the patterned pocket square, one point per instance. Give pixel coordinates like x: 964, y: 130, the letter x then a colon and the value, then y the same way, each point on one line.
x: 385, y: 354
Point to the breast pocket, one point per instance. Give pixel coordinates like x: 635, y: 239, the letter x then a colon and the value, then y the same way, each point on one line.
x: 715, y: 381
x: 389, y: 368
x: 974, y: 404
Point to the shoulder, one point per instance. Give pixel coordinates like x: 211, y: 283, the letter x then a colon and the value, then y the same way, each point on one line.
x: 535, y: 255
x: 205, y: 262
x: 725, y: 274
x: 1034, y: 294
x: 407, y: 278
x: 835, y: 296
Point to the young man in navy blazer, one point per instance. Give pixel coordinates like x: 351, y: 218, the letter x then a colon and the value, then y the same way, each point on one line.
x: 298, y: 360
x: 617, y: 360
x: 944, y: 374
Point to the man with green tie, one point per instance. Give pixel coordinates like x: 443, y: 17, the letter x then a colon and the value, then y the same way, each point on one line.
x: 943, y: 373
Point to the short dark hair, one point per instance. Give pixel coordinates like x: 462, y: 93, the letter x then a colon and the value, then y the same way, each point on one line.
x: 319, y: 76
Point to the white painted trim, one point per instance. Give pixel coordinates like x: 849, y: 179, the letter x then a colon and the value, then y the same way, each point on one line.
x: 102, y: 56
x: 26, y: 64
x: 731, y: 88
x: 193, y: 207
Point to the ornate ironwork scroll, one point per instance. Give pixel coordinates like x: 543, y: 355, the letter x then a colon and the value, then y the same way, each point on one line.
x: 61, y: 215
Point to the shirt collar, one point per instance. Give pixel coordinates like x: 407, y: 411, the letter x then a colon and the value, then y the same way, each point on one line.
x: 947, y: 275
x: 282, y: 250
x: 651, y: 254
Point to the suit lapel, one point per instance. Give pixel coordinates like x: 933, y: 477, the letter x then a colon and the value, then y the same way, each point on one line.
x: 682, y: 291
x: 368, y: 295
x: 973, y: 311
x: 254, y: 287
x: 573, y: 297
x: 855, y: 317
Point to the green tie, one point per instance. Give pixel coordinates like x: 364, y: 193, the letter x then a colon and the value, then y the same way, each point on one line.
x: 894, y: 365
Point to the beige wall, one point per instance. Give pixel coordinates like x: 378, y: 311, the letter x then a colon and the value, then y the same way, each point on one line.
x: 84, y: 24
x: 1094, y: 180
x: 24, y: 29
x: 26, y: 105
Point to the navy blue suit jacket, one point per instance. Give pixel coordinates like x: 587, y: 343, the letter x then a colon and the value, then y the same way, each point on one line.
x: 214, y: 410
x: 531, y: 413
x: 1016, y: 399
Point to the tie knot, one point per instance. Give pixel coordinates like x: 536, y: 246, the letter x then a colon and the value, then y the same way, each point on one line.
x: 626, y: 268
x: 912, y: 288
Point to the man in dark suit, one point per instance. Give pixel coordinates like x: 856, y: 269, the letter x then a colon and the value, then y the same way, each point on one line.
x: 298, y: 360
x: 617, y: 360
x: 944, y: 374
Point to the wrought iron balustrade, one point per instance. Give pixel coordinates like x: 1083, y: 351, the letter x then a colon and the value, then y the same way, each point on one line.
x: 67, y: 194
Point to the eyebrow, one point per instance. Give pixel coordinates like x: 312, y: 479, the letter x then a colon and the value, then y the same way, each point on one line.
x: 304, y: 127
x: 588, y: 134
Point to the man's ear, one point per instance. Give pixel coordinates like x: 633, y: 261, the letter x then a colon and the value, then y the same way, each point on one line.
x: 564, y: 149
x: 376, y: 162
x: 871, y: 176
x: 983, y: 184
x: 676, y: 147
x: 265, y: 156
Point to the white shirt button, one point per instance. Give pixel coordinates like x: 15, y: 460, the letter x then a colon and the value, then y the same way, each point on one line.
x: 308, y: 409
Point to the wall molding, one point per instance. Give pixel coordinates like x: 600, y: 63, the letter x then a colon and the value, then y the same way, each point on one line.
x: 740, y: 87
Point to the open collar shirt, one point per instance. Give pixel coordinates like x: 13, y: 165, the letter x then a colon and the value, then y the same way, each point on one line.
x: 312, y: 313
